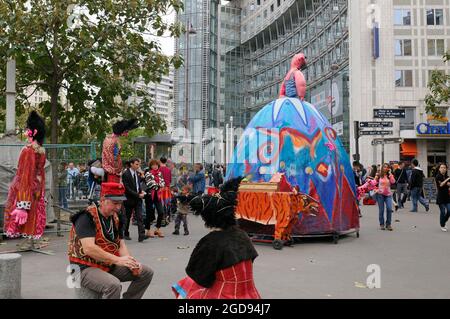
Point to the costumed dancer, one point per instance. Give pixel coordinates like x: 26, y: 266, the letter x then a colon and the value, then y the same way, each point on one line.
x: 294, y: 83
x: 111, y: 160
x: 221, y: 265
x: 25, y: 213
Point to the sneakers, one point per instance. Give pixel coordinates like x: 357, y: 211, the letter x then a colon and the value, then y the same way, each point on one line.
x: 427, y: 208
x: 382, y: 227
x: 186, y: 233
x: 389, y: 228
x: 176, y: 232
x: 444, y: 229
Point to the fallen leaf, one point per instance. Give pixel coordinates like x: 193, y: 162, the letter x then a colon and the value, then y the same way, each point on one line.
x: 360, y: 285
x: 312, y: 261
x: 162, y: 259
x: 397, y: 220
x: 329, y: 295
x: 292, y: 269
x: 182, y: 247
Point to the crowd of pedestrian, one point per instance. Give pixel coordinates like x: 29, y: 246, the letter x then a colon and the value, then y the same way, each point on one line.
x: 391, y: 185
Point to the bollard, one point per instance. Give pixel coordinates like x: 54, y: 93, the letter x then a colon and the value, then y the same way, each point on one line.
x: 86, y: 293
x: 10, y: 276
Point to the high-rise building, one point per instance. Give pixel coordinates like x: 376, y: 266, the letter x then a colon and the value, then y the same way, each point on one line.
x: 271, y: 33
x: 394, y: 47
x: 196, y: 106
x: 362, y: 55
x: 162, y: 94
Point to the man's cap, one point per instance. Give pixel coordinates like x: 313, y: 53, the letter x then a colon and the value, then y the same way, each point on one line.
x: 113, y: 191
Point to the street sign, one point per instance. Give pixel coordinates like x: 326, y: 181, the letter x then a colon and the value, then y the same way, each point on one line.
x: 389, y: 114
x: 376, y: 132
x: 375, y: 124
x: 392, y: 140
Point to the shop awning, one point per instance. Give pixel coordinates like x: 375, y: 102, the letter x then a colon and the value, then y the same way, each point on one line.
x: 409, y: 148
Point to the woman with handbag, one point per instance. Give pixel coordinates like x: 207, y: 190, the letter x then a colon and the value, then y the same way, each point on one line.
x: 154, y: 182
x: 443, y: 197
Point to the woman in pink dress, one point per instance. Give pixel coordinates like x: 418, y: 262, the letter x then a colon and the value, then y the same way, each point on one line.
x: 221, y: 265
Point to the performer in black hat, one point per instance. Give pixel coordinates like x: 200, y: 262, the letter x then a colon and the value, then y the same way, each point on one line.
x: 25, y: 207
x: 111, y: 160
x: 221, y: 265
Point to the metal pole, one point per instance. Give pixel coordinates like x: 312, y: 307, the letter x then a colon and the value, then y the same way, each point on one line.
x: 231, y: 138
x: 331, y: 99
x: 11, y: 96
x: 186, y: 74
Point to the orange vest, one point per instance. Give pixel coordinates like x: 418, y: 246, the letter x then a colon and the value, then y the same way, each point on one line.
x: 76, y: 252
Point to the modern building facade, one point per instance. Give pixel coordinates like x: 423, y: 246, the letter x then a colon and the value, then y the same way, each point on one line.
x: 413, y: 37
x: 272, y: 32
x: 362, y: 55
x: 196, y: 82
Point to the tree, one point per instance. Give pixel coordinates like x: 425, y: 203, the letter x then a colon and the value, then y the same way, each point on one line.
x: 92, y: 51
x: 439, y: 95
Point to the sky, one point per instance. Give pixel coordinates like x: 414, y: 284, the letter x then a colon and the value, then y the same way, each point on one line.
x: 167, y: 43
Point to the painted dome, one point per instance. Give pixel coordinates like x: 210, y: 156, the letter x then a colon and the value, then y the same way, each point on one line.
x: 290, y: 136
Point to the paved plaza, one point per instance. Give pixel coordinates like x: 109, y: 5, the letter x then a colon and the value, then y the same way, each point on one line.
x: 413, y: 259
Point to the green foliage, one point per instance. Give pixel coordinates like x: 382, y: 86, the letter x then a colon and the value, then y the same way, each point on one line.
x: 91, y: 51
x: 439, y: 91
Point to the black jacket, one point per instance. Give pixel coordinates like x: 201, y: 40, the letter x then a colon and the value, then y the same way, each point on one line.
x: 131, y: 192
x: 217, y: 178
x: 417, y: 177
x: 400, y: 176
x: 216, y: 251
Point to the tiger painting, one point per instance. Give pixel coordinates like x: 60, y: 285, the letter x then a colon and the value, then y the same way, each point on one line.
x: 275, y: 208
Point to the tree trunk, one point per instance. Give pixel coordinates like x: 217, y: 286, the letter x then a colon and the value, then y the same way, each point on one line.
x: 54, y: 155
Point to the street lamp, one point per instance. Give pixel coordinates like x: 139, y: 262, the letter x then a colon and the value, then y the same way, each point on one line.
x: 334, y: 68
x: 189, y: 31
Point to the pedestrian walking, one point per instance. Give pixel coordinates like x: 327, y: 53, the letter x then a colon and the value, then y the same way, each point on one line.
x: 401, y: 179
x: 416, y: 187
x: 384, y: 197
x: 443, y: 196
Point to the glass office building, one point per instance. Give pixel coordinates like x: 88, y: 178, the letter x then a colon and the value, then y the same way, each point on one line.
x: 196, y: 81
x: 272, y: 31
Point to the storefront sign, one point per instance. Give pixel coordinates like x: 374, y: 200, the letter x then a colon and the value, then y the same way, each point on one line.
x: 389, y: 114
x: 434, y: 130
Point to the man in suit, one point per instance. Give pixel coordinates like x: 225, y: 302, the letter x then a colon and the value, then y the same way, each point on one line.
x: 134, y: 193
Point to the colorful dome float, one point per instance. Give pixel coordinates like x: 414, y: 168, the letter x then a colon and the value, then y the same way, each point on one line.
x: 298, y: 176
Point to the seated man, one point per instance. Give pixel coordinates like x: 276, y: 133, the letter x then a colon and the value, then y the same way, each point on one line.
x: 96, y: 245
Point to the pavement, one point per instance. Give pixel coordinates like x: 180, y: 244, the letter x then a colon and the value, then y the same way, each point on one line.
x: 412, y: 260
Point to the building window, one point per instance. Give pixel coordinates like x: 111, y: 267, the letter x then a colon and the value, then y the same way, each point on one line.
x: 403, y: 47
x: 436, y: 47
x: 278, y: 3
x: 402, y: 17
x: 410, y: 118
x: 271, y: 8
x: 403, y: 78
x: 258, y: 2
x: 435, y: 17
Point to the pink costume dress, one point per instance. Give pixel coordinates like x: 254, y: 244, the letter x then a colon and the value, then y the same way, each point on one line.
x: 111, y: 160
x: 27, y: 192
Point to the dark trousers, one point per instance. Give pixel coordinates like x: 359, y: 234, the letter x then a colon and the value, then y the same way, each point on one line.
x: 179, y: 219
x: 150, y: 205
x: 63, y: 196
x: 138, y: 215
x: 444, y: 215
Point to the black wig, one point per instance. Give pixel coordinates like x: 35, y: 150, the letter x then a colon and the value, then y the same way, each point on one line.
x: 124, y: 126
x: 218, y: 210
x: 35, y: 122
